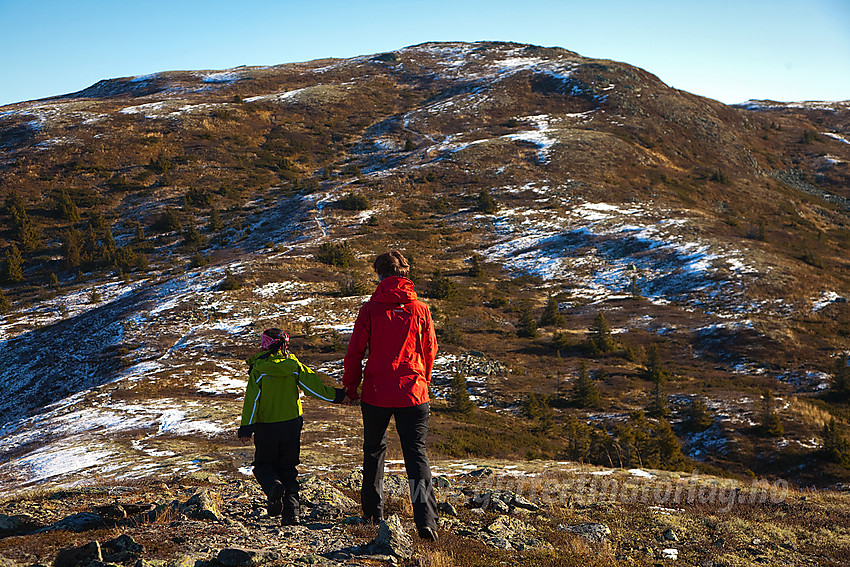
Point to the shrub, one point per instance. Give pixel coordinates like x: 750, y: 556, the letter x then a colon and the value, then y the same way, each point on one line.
x: 475, y: 269
x: 337, y: 254
x: 230, y: 282
x: 167, y: 221
x: 353, y: 202
x: 486, y: 203
x: 450, y: 334
x: 350, y: 285
x: 440, y: 287
x: 5, y: 304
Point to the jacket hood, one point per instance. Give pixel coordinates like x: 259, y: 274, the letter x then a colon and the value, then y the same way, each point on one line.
x: 394, y: 289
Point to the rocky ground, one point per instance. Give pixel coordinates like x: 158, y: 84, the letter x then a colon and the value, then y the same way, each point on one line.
x: 493, y: 513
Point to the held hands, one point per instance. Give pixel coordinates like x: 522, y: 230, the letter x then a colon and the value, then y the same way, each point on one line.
x: 245, y: 440
x: 347, y: 401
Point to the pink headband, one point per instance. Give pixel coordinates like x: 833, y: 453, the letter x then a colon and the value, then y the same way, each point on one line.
x: 267, y: 341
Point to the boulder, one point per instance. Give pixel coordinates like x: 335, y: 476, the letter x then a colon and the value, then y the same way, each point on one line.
x: 79, y: 556
x: 392, y: 540
x: 509, y: 527
x: 202, y: 505
x: 597, y: 533
x: 82, y: 522
x: 9, y: 525
x: 447, y: 508
x: 354, y: 481
x: 480, y: 473
x: 244, y: 557
x: 122, y: 549
x: 315, y: 492
x: 518, y: 501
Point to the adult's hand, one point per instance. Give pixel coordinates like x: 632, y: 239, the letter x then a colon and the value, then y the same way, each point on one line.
x: 347, y: 401
x: 245, y: 440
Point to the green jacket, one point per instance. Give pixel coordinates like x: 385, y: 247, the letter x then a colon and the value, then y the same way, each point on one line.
x: 272, y: 392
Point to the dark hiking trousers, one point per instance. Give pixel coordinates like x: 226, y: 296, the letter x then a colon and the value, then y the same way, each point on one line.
x: 412, y: 426
x: 277, y: 452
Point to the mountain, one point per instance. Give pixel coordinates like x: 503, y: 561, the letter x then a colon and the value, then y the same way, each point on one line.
x: 561, y: 213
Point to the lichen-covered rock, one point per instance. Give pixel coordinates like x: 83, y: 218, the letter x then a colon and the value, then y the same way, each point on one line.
x: 509, y: 527
x: 592, y: 532
x: 82, y: 522
x: 6, y: 562
x: 244, y: 557
x: 122, y: 549
x: 315, y: 492
x: 392, y: 540
x: 203, y: 505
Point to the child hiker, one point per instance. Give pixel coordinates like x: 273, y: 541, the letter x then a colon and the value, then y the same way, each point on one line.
x: 272, y: 413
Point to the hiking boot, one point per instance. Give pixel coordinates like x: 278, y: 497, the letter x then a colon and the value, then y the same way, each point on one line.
x: 291, y: 515
x: 275, y: 504
x: 428, y: 533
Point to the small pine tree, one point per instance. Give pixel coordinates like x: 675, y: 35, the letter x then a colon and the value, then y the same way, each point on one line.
x: 409, y: 146
x: 486, y: 203
x: 585, y: 394
x: 666, y: 445
x: 214, y: 224
x: 656, y: 374
x: 72, y: 249
x: 770, y: 425
x: 192, y: 238
x: 459, y: 395
x: 551, y: 314
x: 5, y: 304
x: 601, y: 340
x: 839, y: 384
x: 13, y: 268
x: 697, y: 416
x: 54, y: 281
x: 527, y: 326
x: 66, y: 208
x: 835, y: 446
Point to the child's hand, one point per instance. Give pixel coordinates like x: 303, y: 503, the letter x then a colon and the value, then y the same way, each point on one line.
x: 245, y: 440
x: 348, y: 401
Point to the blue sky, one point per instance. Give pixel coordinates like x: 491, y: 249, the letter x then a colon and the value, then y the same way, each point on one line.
x: 728, y: 50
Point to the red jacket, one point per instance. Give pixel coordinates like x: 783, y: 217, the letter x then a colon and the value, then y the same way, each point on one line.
x: 397, y: 329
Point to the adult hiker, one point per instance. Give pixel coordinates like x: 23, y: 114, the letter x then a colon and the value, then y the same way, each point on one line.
x: 272, y: 413
x: 398, y: 332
